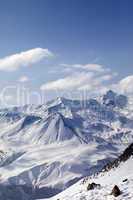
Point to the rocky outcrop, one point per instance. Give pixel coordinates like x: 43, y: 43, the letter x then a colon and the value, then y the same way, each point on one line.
x: 92, y: 186
x: 115, y: 191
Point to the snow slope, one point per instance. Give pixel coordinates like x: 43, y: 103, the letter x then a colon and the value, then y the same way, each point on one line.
x: 107, y: 181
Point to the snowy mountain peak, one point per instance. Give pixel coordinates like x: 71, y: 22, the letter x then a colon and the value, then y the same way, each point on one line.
x: 116, y: 100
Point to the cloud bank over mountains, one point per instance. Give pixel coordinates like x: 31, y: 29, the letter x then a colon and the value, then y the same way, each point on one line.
x: 90, y: 77
x: 94, y: 78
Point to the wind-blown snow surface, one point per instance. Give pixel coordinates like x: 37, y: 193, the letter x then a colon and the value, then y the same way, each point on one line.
x: 47, y: 148
x: 107, y: 181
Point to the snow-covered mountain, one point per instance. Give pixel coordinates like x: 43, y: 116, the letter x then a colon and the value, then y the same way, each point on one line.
x: 47, y: 148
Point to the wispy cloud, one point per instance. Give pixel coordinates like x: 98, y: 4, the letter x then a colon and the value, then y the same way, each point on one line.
x: 87, y: 67
x: 23, y: 79
x: 23, y: 59
x: 68, y: 82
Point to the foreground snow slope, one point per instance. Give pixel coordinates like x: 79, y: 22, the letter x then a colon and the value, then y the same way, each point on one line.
x: 107, y: 181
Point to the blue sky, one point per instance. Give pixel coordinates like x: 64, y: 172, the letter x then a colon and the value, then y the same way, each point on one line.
x: 76, y: 32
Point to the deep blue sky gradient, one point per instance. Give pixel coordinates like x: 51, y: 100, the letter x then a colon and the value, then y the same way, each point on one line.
x: 78, y: 31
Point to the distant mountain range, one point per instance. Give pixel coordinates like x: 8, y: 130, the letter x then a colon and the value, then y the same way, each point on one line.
x: 44, y: 149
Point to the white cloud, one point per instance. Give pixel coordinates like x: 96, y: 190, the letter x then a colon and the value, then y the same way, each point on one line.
x: 23, y: 79
x: 87, y: 67
x: 69, y: 82
x: 106, y: 77
x: 79, y: 81
x: 126, y: 85
x: 94, y: 78
x: 22, y: 59
x: 97, y: 82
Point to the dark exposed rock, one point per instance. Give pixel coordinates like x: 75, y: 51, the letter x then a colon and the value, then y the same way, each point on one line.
x: 92, y: 186
x: 125, y: 180
x: 115, y: 191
